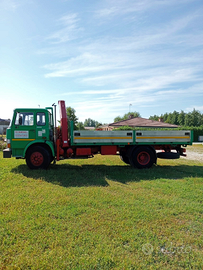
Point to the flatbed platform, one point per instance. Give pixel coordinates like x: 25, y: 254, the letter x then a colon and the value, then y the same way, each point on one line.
x: 147, y: 137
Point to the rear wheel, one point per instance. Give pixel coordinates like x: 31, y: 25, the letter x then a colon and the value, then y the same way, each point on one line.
x: 38, y: 157
x: 142, y: 157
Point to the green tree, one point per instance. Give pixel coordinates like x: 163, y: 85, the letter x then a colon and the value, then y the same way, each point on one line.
x: 169, y: 118
x: 91, y: 123
x: 201, y: 120
x: 80, y: 126
x: 126, y: 116
x: 175, y: 118
x: 191, y: 119
x: 71, y: 116
x: 188, y: 120
x: 196, y: 118
x: 165, y: 116
x: 181, y: 118
x: 117, y: 119
x: 98, y: 124
x: 155, y: 117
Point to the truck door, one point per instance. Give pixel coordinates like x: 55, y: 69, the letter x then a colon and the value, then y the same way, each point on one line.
x: 23, y: 132
x: 42, y: 126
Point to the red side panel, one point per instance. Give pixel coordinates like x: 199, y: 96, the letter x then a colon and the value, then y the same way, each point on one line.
x: 64, y: 123
x: 83, y: 152
x: 108, y: 150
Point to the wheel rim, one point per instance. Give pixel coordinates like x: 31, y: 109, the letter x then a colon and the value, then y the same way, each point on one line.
x: 36, y: 158
x: 143, y: 158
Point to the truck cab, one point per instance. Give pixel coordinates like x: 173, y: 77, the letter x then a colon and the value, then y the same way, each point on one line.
x: 30, y: 128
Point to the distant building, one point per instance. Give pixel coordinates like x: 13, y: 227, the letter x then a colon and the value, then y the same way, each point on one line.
x: 103, y: 127
x: 89, y: 128
x: 141, y: 122
x: 138, y: 122
x: 4, y: 123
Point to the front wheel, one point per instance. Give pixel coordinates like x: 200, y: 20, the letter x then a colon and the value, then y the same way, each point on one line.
x: 142, y: 157
x: 38, y: 157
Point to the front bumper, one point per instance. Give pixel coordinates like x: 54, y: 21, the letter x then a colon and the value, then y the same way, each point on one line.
x: 7, y: 153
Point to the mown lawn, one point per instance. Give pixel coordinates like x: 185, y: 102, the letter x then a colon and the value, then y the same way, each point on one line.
x: 101, y: 214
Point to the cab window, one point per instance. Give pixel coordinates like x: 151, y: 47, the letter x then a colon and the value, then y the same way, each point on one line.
x: 41, y: 119
x: 24, y: 119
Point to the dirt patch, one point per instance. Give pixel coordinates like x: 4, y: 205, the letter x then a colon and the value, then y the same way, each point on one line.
x: 195, y: 152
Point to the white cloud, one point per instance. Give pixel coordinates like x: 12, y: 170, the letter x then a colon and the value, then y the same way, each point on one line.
x: 196, y: 107
x: 145, y: 66
x: 69, y: 20
x: 88, y: 63
x: 116, y: 7
x: 106, y: 54
x: 69, y: 29
x: 8, y: 4
x: 12, y: 5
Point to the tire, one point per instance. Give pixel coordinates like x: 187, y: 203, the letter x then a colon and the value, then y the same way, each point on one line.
x: 37, y: 157
x: 125, y: 159
x: 168, y: 155
x: 142, y: 157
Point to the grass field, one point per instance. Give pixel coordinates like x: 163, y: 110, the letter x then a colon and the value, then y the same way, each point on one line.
x: 101, y: 214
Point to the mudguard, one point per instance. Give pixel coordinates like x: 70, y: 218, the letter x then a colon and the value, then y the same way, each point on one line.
x: 40, y: 142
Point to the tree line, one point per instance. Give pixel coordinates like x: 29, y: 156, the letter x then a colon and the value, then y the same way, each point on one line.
x: 190, y: 119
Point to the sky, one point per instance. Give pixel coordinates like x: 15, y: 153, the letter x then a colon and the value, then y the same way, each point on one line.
x: 104, y: 58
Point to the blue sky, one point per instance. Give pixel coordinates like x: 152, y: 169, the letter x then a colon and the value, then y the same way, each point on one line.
x: 101, y: 56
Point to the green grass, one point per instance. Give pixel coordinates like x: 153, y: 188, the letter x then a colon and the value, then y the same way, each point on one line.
x: 101, y: 214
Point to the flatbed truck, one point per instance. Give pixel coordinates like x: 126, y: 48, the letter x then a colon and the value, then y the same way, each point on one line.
x: 33, y: 136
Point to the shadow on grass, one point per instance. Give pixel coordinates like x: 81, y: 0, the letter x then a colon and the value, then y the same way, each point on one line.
x: 67, y: 175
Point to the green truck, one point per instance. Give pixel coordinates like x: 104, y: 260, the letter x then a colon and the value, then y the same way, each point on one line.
x: 33, y: 136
